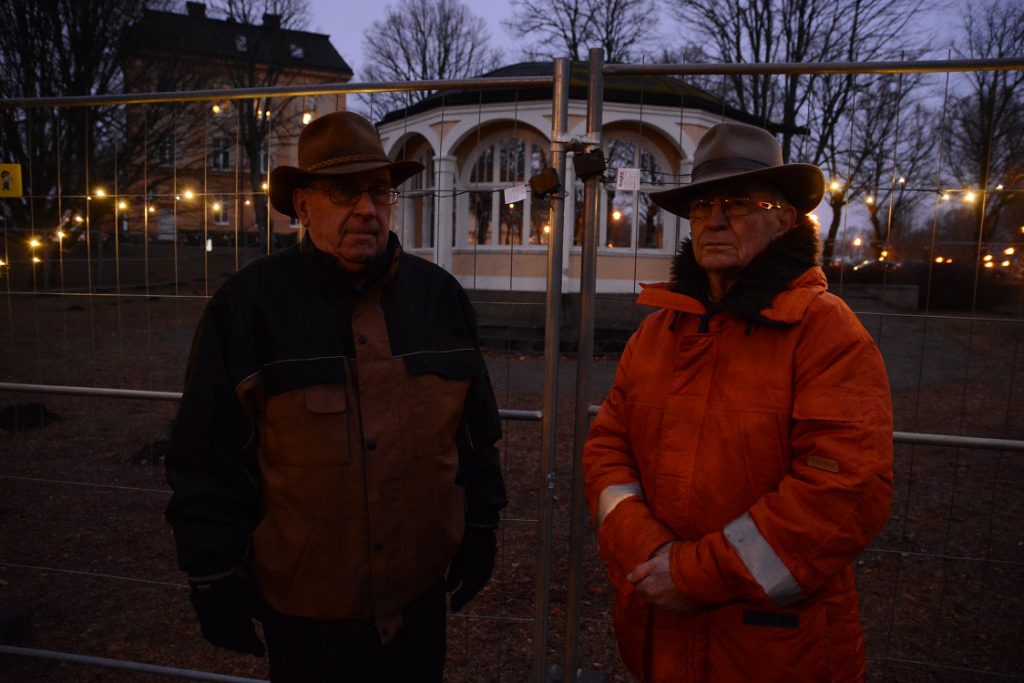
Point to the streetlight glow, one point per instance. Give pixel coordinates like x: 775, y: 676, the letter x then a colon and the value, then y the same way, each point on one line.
x: 1009, y: 251
x: 616, y: 215
x: 857, y: 241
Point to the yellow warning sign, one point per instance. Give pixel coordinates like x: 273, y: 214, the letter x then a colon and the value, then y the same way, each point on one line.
x: 10, y: 180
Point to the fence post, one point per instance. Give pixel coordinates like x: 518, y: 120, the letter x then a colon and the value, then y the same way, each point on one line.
x: 584, y: 362
x: 552, y: 341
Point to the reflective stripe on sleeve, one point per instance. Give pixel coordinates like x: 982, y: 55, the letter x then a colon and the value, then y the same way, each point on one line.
x: 761, y: 561
x: 613, y: 495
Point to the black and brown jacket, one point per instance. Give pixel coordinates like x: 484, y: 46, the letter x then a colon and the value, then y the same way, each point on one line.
x: 335, y: 440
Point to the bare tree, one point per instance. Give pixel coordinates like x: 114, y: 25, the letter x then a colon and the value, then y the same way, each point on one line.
x: 57, y: 48
x: 769, y: 31
x: 562, y: 27
x: 264, y: 62
x: 566, y: 28
x: 425, y: 40
x: 881, y: 138
x: 983, y: 139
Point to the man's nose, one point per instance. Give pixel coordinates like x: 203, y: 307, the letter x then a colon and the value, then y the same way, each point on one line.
x: 364, y: 204
x: 717, y: 219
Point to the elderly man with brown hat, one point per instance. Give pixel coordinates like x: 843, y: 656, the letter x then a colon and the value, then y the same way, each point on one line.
x: 334, y: 459
x: 743, y: 457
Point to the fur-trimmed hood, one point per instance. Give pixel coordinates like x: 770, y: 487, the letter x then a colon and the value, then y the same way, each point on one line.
x: 770, y: 273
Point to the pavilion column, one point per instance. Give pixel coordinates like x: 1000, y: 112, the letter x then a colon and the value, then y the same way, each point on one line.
x: 444, y: 209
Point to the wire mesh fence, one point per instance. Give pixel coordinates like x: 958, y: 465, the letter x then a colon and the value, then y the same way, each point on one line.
x: 106, y: 273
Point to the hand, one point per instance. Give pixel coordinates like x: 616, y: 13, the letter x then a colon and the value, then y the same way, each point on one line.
x: 225, y: 608
x: 472, y: 565
x: 653, y: 582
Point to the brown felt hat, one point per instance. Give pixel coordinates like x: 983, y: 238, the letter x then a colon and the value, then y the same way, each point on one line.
x: 736, y: 151
x: 337, y: 144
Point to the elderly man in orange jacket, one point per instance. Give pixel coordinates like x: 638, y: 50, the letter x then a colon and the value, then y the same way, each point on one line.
x: 743, y: 457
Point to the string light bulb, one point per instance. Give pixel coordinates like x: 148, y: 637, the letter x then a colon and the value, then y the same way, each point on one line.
x: 216, y: 109
x: 988, y: 257
x: 79, y: 219
x: 869, y: 200
x: 938, y: 259
x: 1004, y: 264
x: 857, y: 241
x: 616, y: 215
x: 188, y: 194
x: 36, y: 259
x: 34, y: 243
x: 100, y: 193
x: 122, y: 205
x: 307, y: 116
x: 902, y: 180
x: 1009, y: 251
x: 989, y: 264
x: 969, y: 197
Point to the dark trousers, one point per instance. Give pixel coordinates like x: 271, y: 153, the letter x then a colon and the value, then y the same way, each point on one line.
x: 309, y: 651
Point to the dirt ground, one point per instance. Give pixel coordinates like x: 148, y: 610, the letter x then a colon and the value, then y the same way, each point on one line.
x: 84, y: 549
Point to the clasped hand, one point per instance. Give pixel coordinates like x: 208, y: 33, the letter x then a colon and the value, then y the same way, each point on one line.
x: 653, y: 582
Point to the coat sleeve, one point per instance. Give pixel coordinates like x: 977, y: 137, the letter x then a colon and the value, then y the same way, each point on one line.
x: 210, y: 463
x: 836, y: 496
x: 479, y: 461
x: 628, y: 532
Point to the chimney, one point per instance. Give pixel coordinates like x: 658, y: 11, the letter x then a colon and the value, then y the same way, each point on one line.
x: 196, y: 10
x: 272, y: 21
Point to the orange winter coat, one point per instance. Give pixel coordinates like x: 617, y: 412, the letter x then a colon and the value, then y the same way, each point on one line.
x: 765, y: 447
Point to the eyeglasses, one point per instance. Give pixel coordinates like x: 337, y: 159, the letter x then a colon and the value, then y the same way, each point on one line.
x: 347, y: 195
x: 734, y: 207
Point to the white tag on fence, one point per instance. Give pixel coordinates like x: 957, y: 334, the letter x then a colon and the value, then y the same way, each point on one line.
x: 628, y: 179
x: 516, y: 194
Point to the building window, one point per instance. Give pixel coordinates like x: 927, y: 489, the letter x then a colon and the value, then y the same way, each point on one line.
x: 165, y: 151
x: 221, y: 211
x: 220, y: 154
x: 632, y: 220
x: 264, y: 159
x: 297, y: 51
x: 500, y: 163
x: 418, y: 204
x: 241, y: 43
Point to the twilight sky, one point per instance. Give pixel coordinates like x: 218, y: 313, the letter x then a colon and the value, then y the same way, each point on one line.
x: 346, y: 22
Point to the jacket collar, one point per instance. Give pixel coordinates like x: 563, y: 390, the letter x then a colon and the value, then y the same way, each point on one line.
x: 777, y: 286
x: 326, y: 268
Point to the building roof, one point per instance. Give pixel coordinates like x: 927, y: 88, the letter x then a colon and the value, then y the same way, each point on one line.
x: 195, y: 35
x: 647, y: 89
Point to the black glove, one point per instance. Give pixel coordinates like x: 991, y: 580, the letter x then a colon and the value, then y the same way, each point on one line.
x: 471, y: 568
x: 225, y: 608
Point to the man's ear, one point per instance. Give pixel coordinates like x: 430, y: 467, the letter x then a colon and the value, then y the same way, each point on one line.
x: 786, y: 221
x: 301, y: 207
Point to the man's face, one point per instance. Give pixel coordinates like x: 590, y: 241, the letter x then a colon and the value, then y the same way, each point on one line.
x: 355, y: 234
x: 724, y: 245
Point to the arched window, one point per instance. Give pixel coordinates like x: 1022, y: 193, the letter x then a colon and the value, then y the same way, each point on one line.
x: 632, y: 220
x: 501, y: 162
x: 416, y: 208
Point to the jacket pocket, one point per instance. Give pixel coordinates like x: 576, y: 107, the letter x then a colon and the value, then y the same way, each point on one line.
x: 750, y: 644
x: 311, y: 426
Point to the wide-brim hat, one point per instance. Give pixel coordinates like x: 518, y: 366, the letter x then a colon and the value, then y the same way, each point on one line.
x: 337, y: 144
x: 736, y: 151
